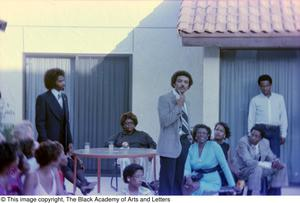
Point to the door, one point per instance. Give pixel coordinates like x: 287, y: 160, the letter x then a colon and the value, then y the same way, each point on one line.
x: 98, y: 90
x: 239, y: 72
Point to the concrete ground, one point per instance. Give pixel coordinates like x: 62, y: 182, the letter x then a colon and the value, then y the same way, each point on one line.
x: 106, y: 188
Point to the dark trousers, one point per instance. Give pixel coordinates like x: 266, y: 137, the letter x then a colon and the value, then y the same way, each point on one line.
x: 171, y: 171
x: 273, y: 135
x: 68, y: 172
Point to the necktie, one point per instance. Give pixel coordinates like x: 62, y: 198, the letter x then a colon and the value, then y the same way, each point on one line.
x: 255, y: 152
x: 59, y: 98
x: 185, y: 123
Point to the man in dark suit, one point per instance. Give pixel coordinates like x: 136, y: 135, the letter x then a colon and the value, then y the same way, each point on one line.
x: 52, y: 122
x: 52, y: 112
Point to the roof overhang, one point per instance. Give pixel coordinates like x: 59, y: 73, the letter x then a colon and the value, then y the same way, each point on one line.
x: 233, y: 40
x: 240, y: 24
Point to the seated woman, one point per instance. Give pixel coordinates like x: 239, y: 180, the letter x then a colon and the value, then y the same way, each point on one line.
x: 45, y: 180
x: 130, y: 137
x: 221, y: 133
x: 8, y: 159
x: 204, y: 156
x: 133, y: 175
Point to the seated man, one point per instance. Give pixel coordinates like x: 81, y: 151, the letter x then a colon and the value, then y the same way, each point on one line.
x: 254, y: 160
x: 81, y: 182
x: 130, y: 137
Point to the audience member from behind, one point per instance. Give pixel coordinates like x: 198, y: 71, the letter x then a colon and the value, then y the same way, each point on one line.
x: 23, y: 134
x: 133, y: 175
x: 8, y: 159
x: 27, y: 146
x: 201, y: 166
x: 254, y: 159
x: 133, y: 138
x: 16, y: 173
x: 45, y: 180
x: 24, y: 130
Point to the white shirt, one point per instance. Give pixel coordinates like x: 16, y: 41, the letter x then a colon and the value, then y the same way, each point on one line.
x: 268, y: 110
x: 33, y: 164
x: 142, y: 191
x: 255, y: 149
x: 59, y: 99
x: 184, y: 108
x: 263, y: 164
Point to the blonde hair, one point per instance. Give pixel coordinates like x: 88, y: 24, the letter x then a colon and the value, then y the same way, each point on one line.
x: 23, y: 130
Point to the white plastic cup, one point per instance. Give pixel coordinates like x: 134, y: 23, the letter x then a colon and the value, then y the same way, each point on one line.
x: 110, y: 146
x: 87, y: 146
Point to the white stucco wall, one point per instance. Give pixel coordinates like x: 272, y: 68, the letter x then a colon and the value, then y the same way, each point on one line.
x: 153, y: 65
x: 211, y: 86
x: 146, y: 29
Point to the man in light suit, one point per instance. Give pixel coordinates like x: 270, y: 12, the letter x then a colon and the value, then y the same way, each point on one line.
x: 175, y: 135
x: 254, y: 160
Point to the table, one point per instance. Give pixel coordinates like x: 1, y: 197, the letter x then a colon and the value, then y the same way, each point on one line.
x: 106, y: 153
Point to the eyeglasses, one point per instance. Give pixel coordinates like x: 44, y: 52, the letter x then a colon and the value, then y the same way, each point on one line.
x: 128, y: 123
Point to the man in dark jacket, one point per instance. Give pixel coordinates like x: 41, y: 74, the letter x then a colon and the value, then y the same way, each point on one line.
x: 52, y: 122
x: 52, y: 112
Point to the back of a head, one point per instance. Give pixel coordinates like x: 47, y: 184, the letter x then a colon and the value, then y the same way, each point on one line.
x: 8, y: 154
x: 47, y: 152
x: 27, y: 147
x: 23, y: 130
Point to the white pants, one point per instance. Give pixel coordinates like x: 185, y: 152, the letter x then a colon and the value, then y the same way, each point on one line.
x: 279, y: 178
